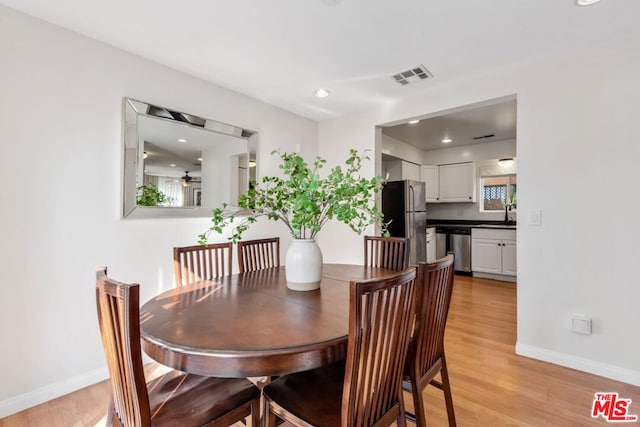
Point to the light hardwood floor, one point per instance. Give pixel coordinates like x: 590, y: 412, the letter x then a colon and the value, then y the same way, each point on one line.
x: 491, y: 386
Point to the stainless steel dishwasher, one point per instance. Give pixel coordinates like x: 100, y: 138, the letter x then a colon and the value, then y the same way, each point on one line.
x: 458, y: 241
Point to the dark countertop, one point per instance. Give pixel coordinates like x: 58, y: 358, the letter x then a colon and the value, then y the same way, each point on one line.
x: 457, y: 223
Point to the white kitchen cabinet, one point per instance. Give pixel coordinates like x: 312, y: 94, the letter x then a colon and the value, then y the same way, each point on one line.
x: 457, y: 182
x: 486, y: 255
x: 400, y: 169
x: 509, y: 257
x: 410, y: 171
x: 493, y: 251
x: 431, y: 176
x: 431, y: 244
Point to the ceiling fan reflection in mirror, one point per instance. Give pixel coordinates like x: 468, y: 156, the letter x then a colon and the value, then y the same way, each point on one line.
x: 186, y: 179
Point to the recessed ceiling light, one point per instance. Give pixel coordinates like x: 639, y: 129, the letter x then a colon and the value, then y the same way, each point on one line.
x: 182, y: 140
x: 199, y: 159
x: 413, y: 122
x: 252, y: 163
x: 145, y: 155
x: 586, y: 2
x: 172, y: 165
x: 321, y: 93
x: 446, y: 140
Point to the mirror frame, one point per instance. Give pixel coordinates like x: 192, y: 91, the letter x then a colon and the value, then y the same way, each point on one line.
x: 133, y: 164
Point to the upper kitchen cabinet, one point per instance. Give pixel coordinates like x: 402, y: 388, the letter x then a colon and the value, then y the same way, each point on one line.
x: 457, y: 182
x: 399, y: 169
x: 431, y: 176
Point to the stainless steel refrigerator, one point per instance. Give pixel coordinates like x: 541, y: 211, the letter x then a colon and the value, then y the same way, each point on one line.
x: 403, y: 203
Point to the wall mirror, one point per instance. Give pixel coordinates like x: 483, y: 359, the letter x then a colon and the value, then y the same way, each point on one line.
x: 178, y: 164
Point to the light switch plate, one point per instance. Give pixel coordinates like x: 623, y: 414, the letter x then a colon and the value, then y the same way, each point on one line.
x: 534, y: 217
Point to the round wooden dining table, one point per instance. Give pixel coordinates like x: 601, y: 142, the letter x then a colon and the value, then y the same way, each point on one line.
x: 251, y: 324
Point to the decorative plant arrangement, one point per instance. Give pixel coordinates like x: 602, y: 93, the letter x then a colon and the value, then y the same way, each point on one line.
x: 514, y: 200
x: 148, y: 195
x: 303, y: 201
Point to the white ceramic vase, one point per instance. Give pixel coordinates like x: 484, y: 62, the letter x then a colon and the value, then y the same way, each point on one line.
x: 303, y: 265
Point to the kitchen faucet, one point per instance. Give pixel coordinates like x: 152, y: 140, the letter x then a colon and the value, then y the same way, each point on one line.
x: 507, y: 208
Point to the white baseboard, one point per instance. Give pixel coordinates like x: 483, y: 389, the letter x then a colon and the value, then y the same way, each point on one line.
x: 51, y: 391
x: 585, y: 365
x: 502, y: 277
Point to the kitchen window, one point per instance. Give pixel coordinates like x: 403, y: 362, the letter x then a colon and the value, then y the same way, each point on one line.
x: 497, y: 191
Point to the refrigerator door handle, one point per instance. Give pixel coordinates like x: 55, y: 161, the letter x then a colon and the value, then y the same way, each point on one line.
x: 410, y: 223
x: 412, y: 198
x: 413, y: 224
x: 411, y: 207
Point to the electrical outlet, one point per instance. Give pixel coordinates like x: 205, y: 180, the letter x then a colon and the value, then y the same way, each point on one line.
x: 581, y: 324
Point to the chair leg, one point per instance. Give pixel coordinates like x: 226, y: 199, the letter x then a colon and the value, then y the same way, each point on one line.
x: 446, y: 388
x: 268, y: 417
x: 255, y: 413
x: 402, y: 417
x: 418, y: 403
x: 112, y: 418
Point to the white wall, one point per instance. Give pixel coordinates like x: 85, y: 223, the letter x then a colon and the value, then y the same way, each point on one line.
x: 220, y: 165
x: 339, y: 243
x: 578, y: 149
x: 400, y: 149
x: 465, y: 211
x: 60, y: 169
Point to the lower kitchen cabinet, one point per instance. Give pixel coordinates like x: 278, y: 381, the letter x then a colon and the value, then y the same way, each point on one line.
x: 509, y: 257
x: 431, y: 244
x: 493, y: 252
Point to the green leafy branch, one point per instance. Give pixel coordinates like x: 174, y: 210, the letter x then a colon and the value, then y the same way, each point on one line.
x: 149, y: 195
x: 303, y: 200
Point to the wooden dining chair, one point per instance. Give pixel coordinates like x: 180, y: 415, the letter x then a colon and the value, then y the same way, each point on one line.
x: 176, y: 398
x: 366, y: 390
x: 386, y: 252
x: 195, y: 263
x: 258, y: 254
x: 426, y: 357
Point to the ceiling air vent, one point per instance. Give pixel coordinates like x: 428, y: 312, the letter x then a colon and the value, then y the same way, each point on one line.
x: 412, y: 76
x: 491, y: 135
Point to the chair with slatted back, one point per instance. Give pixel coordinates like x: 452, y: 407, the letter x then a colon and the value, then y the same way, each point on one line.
x: 426, y: 357
x: 194, y: 263
x: 366, y: 389
x: 386, y: 252
x: 258, y: 254
x: 175, y: 398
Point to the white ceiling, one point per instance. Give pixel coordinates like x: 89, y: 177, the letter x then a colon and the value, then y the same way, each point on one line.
x: 280, y: 51
x: 487, y: 123
x: 163, y: 148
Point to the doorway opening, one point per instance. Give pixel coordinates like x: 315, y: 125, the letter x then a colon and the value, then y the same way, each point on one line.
x: 467, y: 158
